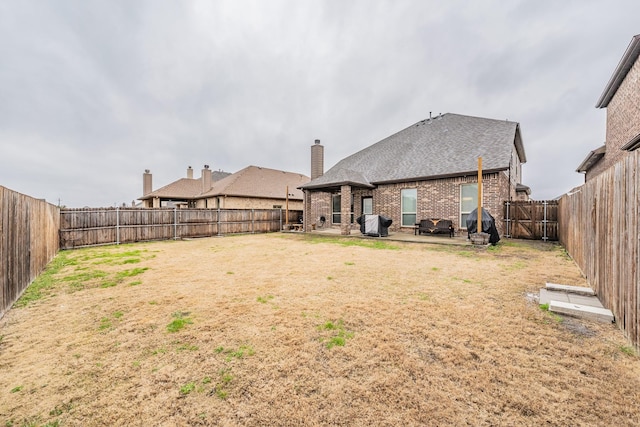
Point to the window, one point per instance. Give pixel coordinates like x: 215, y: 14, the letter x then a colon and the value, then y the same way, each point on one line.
x: 367, y: 205
x: 409, y: 207
x: 468, y: 202
x: 336, y: 201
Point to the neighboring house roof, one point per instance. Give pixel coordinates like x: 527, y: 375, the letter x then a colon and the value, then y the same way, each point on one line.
x: 444, y: 146
x: 592, y: 158
x: 184, y: 188
x: 218, y: 175
x: 626, y: 63
x: 254, y: 181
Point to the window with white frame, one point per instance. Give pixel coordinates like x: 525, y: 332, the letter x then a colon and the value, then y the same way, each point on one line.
x: 468, y: 202
x: 336, y: 202
x: 367, y: 205
x: 409, y: 206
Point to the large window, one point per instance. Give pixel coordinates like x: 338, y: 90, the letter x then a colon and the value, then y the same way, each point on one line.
x: 336, y: 201
x: 409, y: 207
x: 468, y: 202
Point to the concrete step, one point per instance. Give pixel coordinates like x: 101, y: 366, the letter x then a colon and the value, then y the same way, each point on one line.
x: 546, y: 296
x: 580, y: 290
x: 584, y: 311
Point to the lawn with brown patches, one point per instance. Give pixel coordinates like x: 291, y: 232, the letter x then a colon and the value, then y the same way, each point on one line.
x: 305, y: 330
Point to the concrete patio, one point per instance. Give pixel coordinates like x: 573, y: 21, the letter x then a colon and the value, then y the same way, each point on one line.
x: 460, y: 239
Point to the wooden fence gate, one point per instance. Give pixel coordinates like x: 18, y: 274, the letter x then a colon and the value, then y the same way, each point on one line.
x: 535, y: 220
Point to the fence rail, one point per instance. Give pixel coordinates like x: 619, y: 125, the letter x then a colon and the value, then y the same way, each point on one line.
x: 103, y: 226
x: 28, y: 241
x: 536, y: 220
x: 599, y: 229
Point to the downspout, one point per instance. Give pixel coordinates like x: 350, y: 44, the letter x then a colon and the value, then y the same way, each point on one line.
x: 479, y: 215
x: 509, y: 199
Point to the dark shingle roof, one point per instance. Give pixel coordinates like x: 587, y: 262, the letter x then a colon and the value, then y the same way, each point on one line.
x: 447, y: 145
x: 338, y: 177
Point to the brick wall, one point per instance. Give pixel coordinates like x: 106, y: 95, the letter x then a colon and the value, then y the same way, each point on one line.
x: 438, y: 198
x: 623, y: 120
x: 320, y: 203
x: 345, y: 209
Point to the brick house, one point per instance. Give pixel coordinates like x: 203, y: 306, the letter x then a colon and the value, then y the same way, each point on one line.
x: 250, y: 188
x: 428, y: 170
x: 621, y: 98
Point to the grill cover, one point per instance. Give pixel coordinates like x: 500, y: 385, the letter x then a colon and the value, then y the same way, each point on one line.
x: 374, y: 225
x: 488, y: 225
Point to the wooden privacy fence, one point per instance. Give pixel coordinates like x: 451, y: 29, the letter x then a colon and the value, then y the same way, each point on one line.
x: 599, y: 229
x: 28, y: 241
x: 102, y: 226
x: 537, y: 220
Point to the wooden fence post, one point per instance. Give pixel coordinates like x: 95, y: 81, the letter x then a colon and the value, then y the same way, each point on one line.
x: 175, y: 223
x: 117, y: 225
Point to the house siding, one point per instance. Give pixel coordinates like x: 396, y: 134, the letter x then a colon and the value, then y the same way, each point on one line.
x: 439, y: 198
x: 516, y: 173
x: 623, y: 120
x: 248, y: 203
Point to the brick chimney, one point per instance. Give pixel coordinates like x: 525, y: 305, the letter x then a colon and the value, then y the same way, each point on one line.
x: 146, y: 182
x: 317, y: 160
x: 206, y: 179
x: 189, y: 173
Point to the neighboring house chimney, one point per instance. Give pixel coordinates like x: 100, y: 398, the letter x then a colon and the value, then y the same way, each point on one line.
x: 189, y: 173
x: 317, y: 160
x: 206, y: 179
x: 146, y: 182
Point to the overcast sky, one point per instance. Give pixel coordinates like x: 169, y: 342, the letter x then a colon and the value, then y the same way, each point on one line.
x: 92, y: 93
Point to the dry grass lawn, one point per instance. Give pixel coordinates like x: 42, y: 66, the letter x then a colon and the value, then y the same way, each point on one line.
x: 287, y: 330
